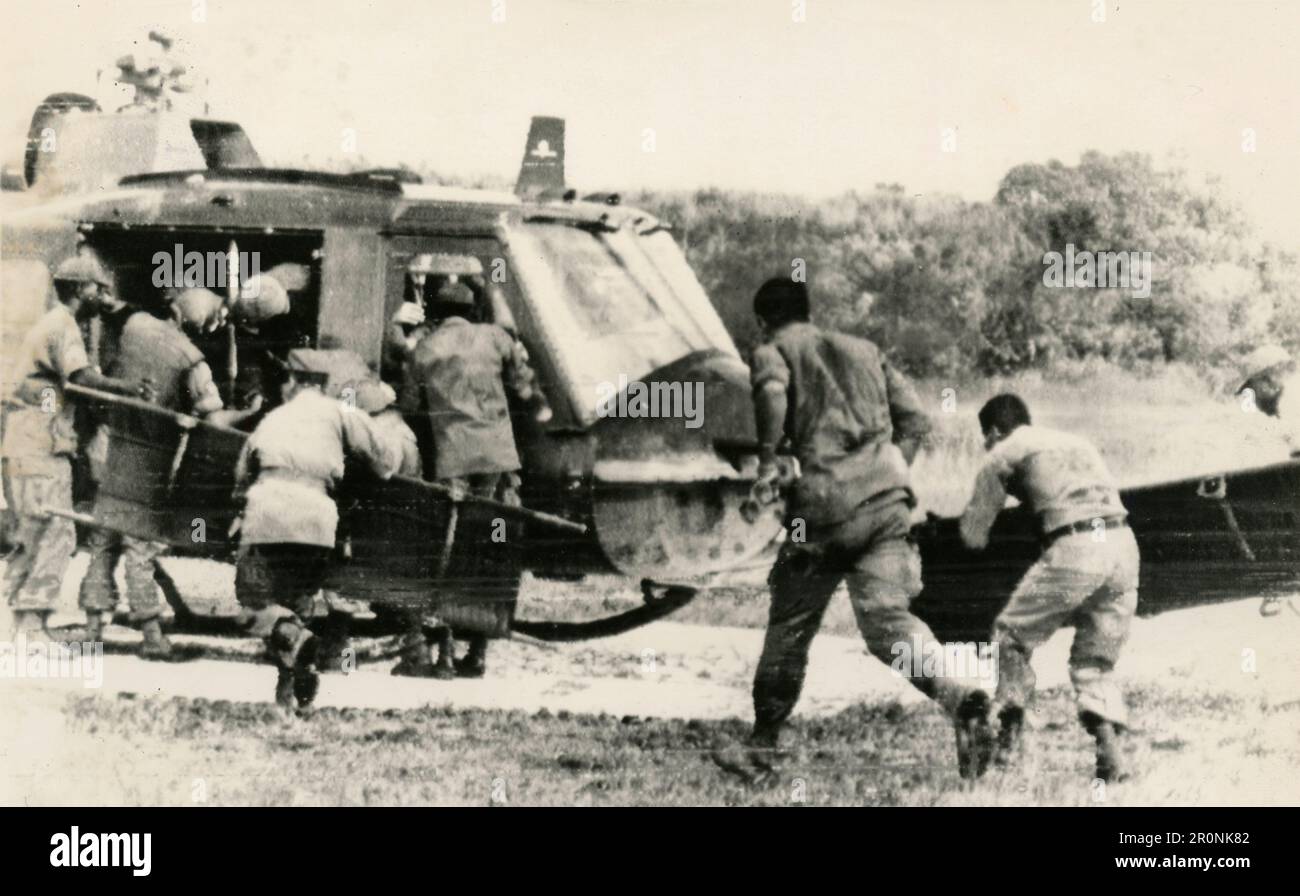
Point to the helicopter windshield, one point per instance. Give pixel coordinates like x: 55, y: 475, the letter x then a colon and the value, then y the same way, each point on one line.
x: 626, y: 305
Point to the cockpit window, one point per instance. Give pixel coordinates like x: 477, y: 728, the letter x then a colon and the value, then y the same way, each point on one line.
x: 634, y: 303
x: 601, y: 291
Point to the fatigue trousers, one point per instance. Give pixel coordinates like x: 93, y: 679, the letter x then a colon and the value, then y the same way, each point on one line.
x: 99, y: 588
x: 480, y: 592
x: 1091, y: 585
x: 874, y: 552
x: 44, y: 545
x: 280, y: 583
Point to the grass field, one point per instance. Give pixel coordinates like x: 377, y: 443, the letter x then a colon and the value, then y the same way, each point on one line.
x: 187, y: 752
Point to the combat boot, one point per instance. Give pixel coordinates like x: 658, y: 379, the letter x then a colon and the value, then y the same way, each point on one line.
x: 155, y: 645
x: 415, y: 662
x: 755, y: 762
x: 1011, y: 725
x: 975, y: 739
x: 474, y: 663
x: 1110, y: 758
x: 284, y: 690
x: 445, y: 668
x: 292, y: 648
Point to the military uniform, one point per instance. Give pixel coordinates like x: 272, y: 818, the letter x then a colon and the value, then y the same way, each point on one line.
x: 294, y: 459
x: 147, y: 348
x: 39, y: 442
x: 461, y: 372
x: 1087, y: 575
x: 398, y: 440
x: 848, y: 409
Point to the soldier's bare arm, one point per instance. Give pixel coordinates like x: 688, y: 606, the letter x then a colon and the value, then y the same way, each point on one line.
x: 985, y: 504
x: 90, y: 378
x: 66, y: 355
x: 205, y: 399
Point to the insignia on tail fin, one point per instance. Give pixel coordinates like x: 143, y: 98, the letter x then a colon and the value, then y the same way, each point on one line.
x: 541, y: 174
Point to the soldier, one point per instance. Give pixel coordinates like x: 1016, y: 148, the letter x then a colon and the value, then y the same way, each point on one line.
x: 462, y: 371
x: 379, y: 401
x: 855, y: 424
x: 159, y: 353
x: 1087, y: 575
x: 243, y: 346
x: 40, y: 439
x: 1265, y: 372
x: 294, y: 459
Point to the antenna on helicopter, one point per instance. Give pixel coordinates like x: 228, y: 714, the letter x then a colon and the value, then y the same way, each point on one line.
x: 158, y: 73
x: 541, y: 174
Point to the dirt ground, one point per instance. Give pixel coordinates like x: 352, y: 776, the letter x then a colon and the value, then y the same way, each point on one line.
x: 1215, y: 694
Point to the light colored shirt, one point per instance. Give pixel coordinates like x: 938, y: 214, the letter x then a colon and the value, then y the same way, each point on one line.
x: 39, y: 422
x: 399, y: 441
x: 296, y: 456
x: 1059, y: 475
x: 848, y: 409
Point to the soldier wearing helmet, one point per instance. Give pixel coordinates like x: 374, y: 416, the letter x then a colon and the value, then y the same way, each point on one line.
x: 246, y: 335
x: 1264, y: 372
x: 159, y: 353
x: 855, y: 424
x: 291, y: 464
x: 40, y: 439
x: 461, y: 373
x: 379, y: 400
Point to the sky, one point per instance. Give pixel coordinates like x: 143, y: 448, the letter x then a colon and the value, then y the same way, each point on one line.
x: 799, y: 96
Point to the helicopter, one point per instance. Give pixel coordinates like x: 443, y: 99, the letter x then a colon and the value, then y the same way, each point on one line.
x: 598, y: 292
x: 605, y: 302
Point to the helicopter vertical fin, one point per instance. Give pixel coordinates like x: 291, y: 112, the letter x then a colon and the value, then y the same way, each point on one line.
x: 541, y: 174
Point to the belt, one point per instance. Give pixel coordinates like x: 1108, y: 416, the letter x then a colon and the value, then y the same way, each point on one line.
x: 283, y: 474
x: 1108, y: 522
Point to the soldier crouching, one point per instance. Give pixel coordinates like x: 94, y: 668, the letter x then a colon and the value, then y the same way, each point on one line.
x: 294, y: 459
x: 1087, y: 576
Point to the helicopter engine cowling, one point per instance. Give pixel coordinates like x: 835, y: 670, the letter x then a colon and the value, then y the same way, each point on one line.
x: 674, y: 463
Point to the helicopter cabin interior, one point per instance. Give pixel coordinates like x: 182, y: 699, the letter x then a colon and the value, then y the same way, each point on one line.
x: 150, y: 265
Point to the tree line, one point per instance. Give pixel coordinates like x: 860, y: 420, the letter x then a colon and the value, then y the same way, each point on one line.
x: 950, y: 286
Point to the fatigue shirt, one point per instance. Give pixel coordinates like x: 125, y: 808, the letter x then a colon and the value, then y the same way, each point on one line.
x: 463, y: 370
x: 847, y: 408
x: 156, y: 349
x: 39, y: 423
x: 296, y: 456
x: 1059, y: 475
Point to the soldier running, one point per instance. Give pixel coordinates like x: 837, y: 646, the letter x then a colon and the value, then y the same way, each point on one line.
x: 40, y: 440
x: 161, y: 354
x: 462, y: 371
x: 1087, y: 575
x: 854, y: 423
x: 294, y: 459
